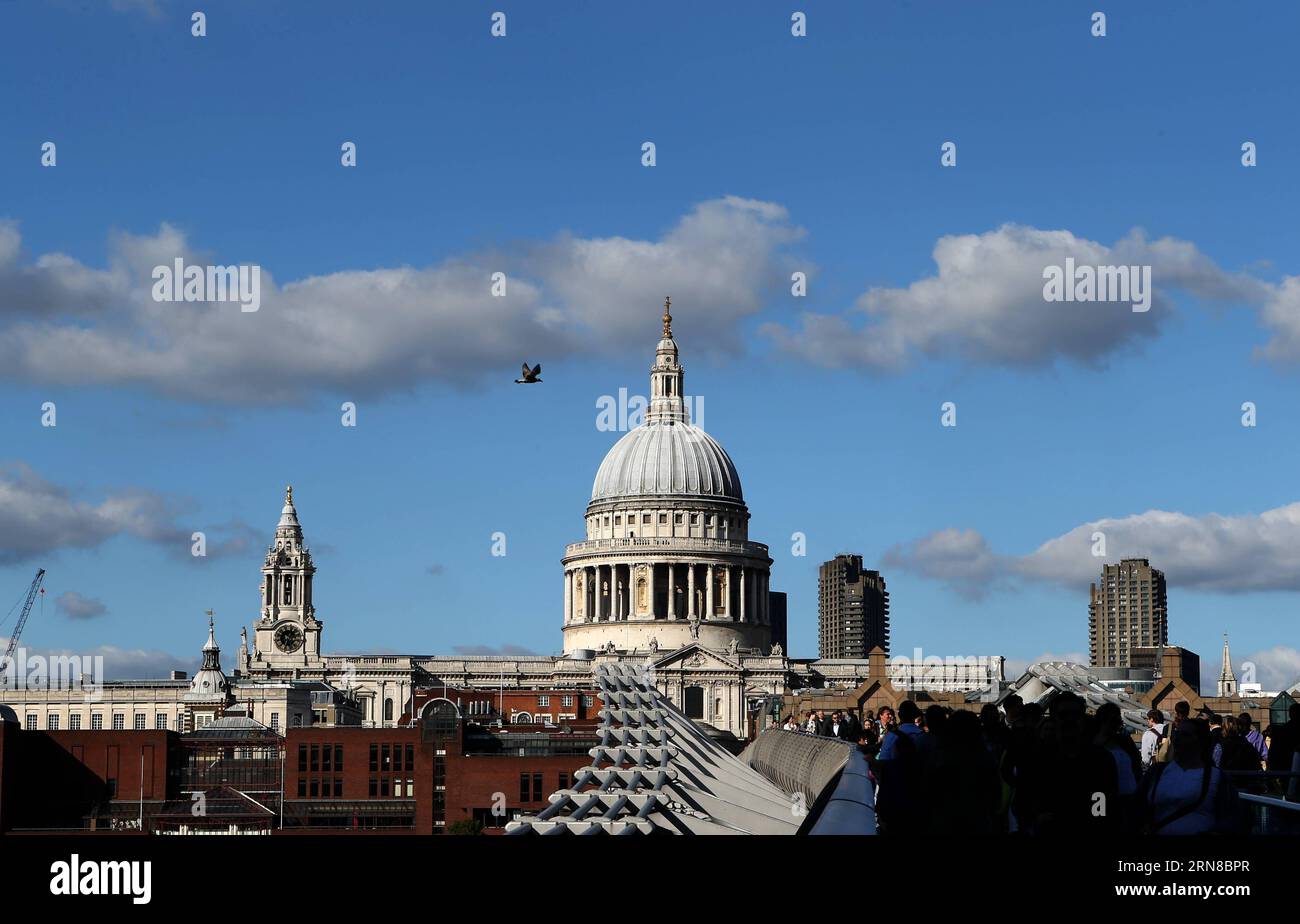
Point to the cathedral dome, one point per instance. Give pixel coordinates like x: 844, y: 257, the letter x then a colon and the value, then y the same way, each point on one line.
x: 665, y: 456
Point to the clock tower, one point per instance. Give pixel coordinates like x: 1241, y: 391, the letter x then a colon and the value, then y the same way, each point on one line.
x: 288, y: 632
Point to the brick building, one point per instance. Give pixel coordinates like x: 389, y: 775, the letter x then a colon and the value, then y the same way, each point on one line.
x: 474, y: 757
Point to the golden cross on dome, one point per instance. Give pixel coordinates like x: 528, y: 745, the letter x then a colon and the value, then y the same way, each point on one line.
x: 668, y: 318
x: 288, y: 494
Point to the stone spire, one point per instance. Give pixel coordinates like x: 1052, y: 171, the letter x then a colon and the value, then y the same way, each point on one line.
x: 210, y: 682
x: 211, y: 650
x: 667, y: 378
x: 1227, y: 679
x: 288, y: 527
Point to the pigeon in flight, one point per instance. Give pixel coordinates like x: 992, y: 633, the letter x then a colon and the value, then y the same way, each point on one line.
x: 530, y: 375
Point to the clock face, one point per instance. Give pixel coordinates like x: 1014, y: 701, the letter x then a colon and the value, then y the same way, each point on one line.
x: 288, y: 638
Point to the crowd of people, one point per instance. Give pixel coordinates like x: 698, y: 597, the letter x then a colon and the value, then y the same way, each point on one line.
x: 1023, y: 768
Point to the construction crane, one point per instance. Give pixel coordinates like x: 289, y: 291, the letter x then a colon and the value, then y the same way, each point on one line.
x: 22, y: 621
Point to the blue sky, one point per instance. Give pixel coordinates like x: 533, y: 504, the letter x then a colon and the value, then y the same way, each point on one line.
x: 523, y: 154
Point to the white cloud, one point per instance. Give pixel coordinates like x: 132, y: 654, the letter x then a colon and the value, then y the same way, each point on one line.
x: 38, y: 518
x: 1276, y: 668
x: 363, y: 332
x: 1210, y: 552
x: 960, y: 558
x: 1281, y: 314
x: 985, y: 304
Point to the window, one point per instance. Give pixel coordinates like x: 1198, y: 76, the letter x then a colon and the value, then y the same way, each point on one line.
x: 523, y: 787
x: 297, y: 720
x: 52, y: 723
x: 119, y: 721
x: 96, y: 721
x: 410, y: 757
x: 338, y: 759
x: 160, y: 721
x: 537, y: 787
x: 140, y: 720
x: 374, y: 759
x: 693, y: 700
x: 275, y: 721
x: 315, y: 758
x: 589, y: 701
x: 302, y: 758
x: 74, y: 722
x: 288, y: 588
x: 543, y: 701
x: 567, y: 701
x: 564, y: 780
x: 31, y: 722
x: 388, y: 710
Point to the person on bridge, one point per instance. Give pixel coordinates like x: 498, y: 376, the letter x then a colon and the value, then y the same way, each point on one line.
x: 1189, y: 795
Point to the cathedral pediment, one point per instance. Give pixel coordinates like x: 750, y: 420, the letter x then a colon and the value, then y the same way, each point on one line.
x: 696, y: 657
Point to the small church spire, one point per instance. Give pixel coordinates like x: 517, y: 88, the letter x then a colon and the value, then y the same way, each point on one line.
x: 1227, y: 679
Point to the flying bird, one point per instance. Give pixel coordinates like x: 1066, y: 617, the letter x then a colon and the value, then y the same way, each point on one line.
x: 530, y: 375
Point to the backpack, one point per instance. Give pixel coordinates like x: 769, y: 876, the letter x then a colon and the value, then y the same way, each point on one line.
x: 1160, y: 753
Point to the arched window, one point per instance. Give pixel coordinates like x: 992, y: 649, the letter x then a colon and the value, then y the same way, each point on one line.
x: 388, y: 710
x: 440, y: 717
x: 288, y: 589
x: 523, y: 718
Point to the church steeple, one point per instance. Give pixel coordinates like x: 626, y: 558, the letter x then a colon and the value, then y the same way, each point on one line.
x: 667, y: 378
x: 288, y: 633
x: 1227, y: 679
x: 209, y: 684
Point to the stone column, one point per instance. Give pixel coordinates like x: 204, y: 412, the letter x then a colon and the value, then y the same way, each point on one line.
x: 690, y: 589
x: 709, y: 608
x: 568, y: 597
x: 672, y: 591
x: 650, y: 589
x: 742, y: 594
